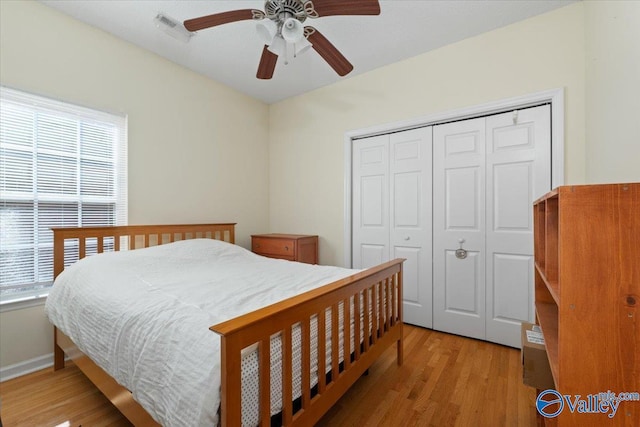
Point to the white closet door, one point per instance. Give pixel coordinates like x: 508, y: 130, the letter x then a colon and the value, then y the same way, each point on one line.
x: 487, y: 173
x: 518, y: 172
x: 391, y: 208
x: 370, y: 205
x: 410, y: 234
x: 459, y: 222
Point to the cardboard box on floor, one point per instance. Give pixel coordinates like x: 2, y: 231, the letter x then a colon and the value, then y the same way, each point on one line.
x: 535, y: 364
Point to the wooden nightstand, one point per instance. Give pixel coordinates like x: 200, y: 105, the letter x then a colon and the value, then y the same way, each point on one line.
x: 292, y: 247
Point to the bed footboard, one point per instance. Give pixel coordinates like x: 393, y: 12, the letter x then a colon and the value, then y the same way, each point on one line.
x: 374, y: 296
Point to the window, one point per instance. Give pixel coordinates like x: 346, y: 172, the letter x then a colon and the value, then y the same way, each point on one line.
x: 61, y: 165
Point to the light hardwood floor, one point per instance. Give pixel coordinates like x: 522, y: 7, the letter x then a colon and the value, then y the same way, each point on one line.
x: 446, y: 380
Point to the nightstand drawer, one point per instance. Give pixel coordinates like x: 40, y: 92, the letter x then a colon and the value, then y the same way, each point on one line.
x: 279, y: 247
x: 292, y: 247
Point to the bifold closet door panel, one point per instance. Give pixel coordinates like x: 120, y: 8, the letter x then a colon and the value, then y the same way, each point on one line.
x: 410, y: 219
x: 518, y: 172
x: 370, y: 204
x: 459, y: 228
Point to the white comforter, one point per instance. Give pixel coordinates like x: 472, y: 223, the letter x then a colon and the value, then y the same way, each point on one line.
x: 143, y: 316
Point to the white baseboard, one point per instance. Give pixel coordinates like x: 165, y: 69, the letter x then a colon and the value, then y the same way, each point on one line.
x: 26, y: 367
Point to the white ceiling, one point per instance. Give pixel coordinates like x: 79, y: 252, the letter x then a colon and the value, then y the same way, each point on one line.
x: 230, y: 53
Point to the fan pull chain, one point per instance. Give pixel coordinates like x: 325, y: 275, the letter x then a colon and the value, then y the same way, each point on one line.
x: 286, y: 53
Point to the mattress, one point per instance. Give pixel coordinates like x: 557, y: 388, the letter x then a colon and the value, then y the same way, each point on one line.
x: 143, y: 317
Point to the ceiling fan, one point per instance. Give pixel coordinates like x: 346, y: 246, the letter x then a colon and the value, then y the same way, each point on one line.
x: 281, y: 28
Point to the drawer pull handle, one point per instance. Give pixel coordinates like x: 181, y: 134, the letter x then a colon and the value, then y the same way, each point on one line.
x: 286, y: 248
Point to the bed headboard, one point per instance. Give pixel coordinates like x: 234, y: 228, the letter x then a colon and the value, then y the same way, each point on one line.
x: 115, y: 238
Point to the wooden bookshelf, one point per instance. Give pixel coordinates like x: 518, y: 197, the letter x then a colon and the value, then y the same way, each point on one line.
x: 587, y: 293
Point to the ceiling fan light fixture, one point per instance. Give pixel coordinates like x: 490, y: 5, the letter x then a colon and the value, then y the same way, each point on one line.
x: 292, y: 30
x: 278, y: 46
x: 302, y: 46
x: 267, y: 30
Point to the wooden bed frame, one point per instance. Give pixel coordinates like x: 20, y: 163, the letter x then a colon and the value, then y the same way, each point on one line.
x: 368, y: 288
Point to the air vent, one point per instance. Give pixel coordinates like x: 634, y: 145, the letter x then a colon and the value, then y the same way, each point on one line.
x: 166, y: 20
x: 173, y: 27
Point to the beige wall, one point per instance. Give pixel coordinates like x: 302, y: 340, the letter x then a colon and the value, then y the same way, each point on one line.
x: 307, y: 161
x: 612, y: 91
x: 192, y: 156
x: 24, y: 334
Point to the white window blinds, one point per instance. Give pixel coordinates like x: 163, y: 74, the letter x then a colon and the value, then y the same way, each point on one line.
x: 61, y: 165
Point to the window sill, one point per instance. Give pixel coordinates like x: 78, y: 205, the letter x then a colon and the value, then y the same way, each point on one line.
x: 23, y: 303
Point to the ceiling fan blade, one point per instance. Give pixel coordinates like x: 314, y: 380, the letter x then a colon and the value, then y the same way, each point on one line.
x: 267, y: 64
x: 344, y: 7
x: 328, y: 51
x: 208, y: 21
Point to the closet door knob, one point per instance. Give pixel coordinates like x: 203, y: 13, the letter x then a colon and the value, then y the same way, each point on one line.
x: 407, y: 238
x: 461, y: 253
